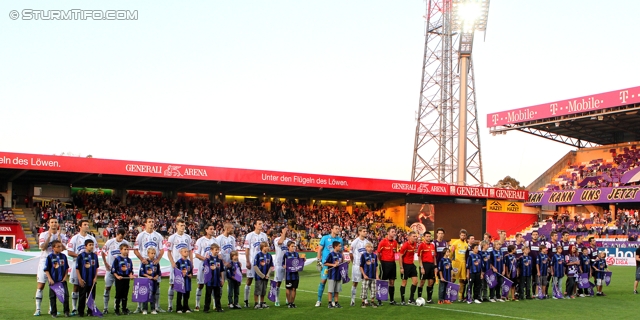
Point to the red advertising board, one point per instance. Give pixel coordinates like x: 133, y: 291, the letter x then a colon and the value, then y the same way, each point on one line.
x: 23, y: 161
x: 594, y: 102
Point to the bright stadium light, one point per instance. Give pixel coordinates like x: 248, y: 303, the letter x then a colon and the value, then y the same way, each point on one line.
x: 468, y: 16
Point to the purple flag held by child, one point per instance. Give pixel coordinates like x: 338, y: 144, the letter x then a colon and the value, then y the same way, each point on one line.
x: 206, y: 273
x: 142, y: 290
x: 540, y: 293
x: 590, y: 289
x: 178, y: 281
x: 583, y: 281
x: 506, y: 286
x: 294, y: 264
x: 607, y: 278
x: 452, y: 291
x: 272, y: 291
x: 382, y: 290
x: 237, y: 275
x: 469, y: 294
x: 58, y: 289
x: 344, y: 272
x: 557, y: 293
x: 92, y: 306
x: 492, y: 281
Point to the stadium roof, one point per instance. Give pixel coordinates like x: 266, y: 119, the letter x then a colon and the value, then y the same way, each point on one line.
x: 599, y: 119
x: 137, y: 175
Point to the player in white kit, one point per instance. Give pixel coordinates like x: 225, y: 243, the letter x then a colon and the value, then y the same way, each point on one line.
x: 110, y: 251
x: 44, y: 241
x: 149, y: 238
x: 252, y: 247
x: 280, y: 243
x: 74, y: 248
x: 177, y: 242
x: 227, y: 243
x: 201, y: 252
x: 356, y: 249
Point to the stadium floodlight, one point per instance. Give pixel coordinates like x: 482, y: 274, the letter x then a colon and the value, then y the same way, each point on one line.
x: 468, y: 16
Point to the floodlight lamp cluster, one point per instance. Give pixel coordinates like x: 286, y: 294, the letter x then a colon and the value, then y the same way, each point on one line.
x: 470, y: 15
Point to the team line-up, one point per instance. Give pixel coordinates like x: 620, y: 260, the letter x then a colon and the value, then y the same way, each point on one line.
x: 532, y: 266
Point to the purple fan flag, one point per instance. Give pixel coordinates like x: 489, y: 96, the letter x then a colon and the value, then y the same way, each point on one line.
x: 238, y: 275
x: 382, y: 290
x: 607, y: 278
x: 590, y: 289
x: 294, y: 264
x: 557, y: 293
x: 540, y: 293
x: 92, y: 306
x: 59, y: 290
x: 469, y: 295
x: 178, y: 281
x: 272, y: 291
x: 452, y: 291
x: 583, y: 281
x: 206, y: 273
x: 344, y: 272
x: 492, y: 281
x: 142, y: 290
x: 506, y: 286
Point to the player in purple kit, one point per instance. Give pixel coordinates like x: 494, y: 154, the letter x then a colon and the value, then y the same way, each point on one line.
x: 440, y: 244
x: 565, y: 243
x: 534, y: 245
x: 551, y: 245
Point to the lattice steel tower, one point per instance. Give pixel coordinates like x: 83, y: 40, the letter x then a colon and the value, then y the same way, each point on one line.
x: 435, y: 153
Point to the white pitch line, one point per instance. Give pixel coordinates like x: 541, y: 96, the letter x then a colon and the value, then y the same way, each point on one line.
x: 453, y: 310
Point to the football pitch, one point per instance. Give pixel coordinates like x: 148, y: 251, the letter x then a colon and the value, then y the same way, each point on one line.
x: 17, y: 297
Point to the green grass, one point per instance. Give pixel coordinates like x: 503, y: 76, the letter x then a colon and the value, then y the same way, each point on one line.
x: 18, y: 303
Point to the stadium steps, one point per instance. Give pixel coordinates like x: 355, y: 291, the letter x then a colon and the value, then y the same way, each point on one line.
x: 93, y: 230
x: 26, y: 219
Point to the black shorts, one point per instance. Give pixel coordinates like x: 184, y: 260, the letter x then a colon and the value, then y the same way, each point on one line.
x: 388, y: 270
x: 409, y: 271
x: 429, y: 269
x: 291, y: 284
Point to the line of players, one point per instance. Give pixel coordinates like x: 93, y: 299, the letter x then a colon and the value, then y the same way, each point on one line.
x: 149, y: 238
x: 526, y: 263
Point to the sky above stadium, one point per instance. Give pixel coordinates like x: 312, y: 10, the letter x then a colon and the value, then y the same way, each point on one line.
x: 327, y: 87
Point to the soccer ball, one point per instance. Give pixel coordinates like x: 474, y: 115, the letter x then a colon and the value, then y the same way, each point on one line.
x: 420, y: 302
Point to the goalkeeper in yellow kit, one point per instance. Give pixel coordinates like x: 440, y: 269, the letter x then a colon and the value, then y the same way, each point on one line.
x: 459, y: 249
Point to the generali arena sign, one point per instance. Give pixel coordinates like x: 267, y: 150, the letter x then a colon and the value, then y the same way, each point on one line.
x: 179, y: 171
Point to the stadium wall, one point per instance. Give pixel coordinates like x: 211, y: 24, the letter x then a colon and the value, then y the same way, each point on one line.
x: 512, y: 223
x: 454, y: 216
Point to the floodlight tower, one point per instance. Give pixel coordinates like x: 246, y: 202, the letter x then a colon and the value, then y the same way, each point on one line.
x: 447, y: 140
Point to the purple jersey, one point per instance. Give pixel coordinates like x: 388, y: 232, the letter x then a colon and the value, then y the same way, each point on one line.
x: 519, y: 250
x: 440, y: 246
x: 565, y: 247
x: 535, y: 249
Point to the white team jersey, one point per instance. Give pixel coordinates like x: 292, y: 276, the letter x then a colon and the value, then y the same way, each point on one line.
x: 252, y: 242
x: 280, y: 250
x: 49, y: 250
x: 358, y: 247
x: 146, y: 240
x: 112, y: 249
x: 76, y: 244
x: 203, y: 246
x: 178, y: 242
x: 227, y: 244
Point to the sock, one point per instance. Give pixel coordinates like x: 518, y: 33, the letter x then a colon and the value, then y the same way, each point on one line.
x: 392, y: 292
x: 353, y: 293
x: 429, y: 293
x: 278, y: 294
x: 106, y: 299
x: 170, y: 297
x: 198, y: 296
x: 247, y: 292
x: 413, y: 292
x: 402, y: 290
x: 320, y: 291
x: 38, y: 299
x: 74, y: 300
x: 158, y: 298
x: 420, y: 291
